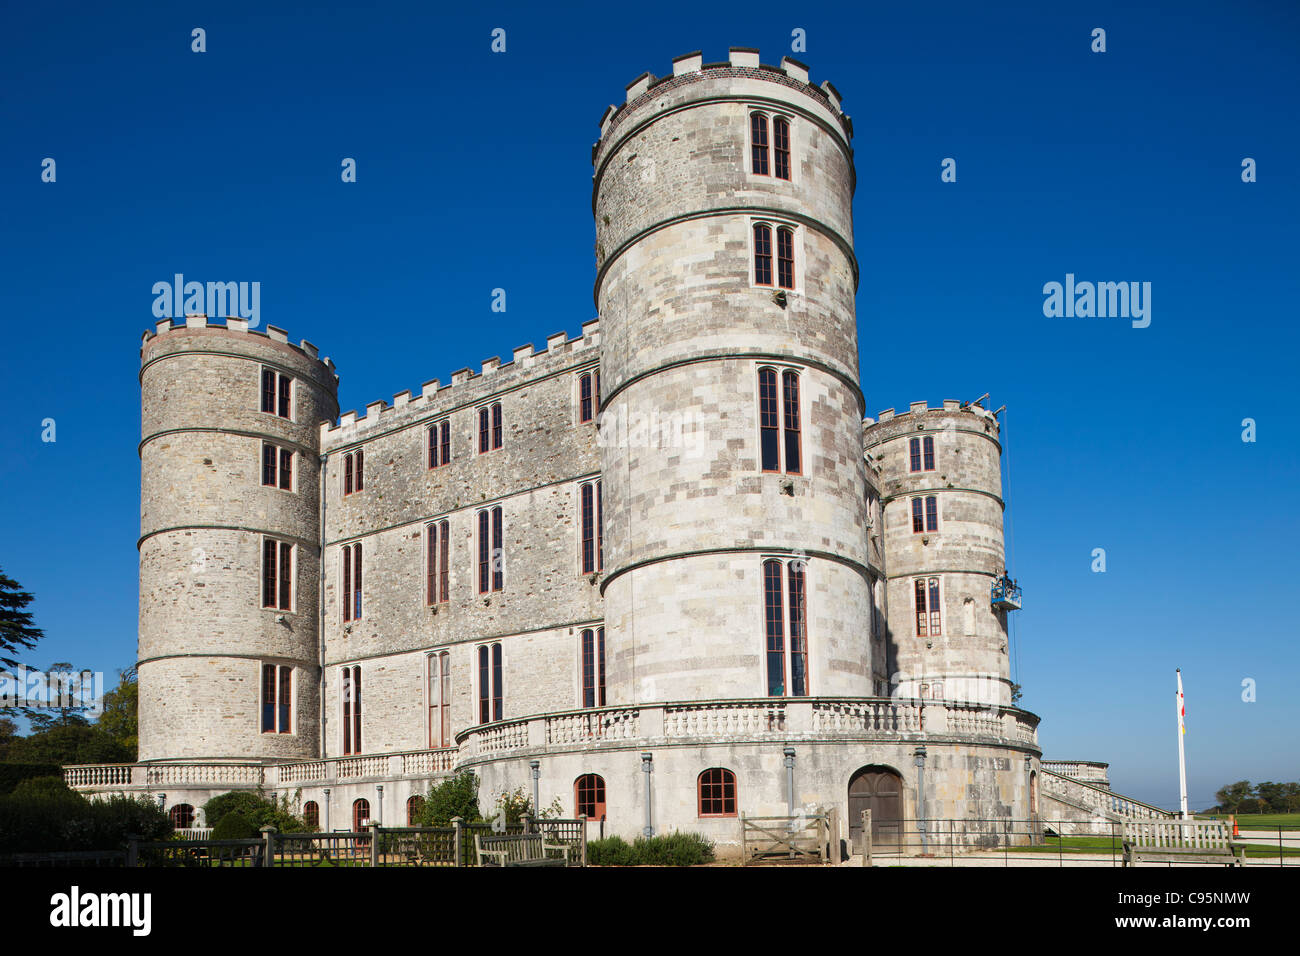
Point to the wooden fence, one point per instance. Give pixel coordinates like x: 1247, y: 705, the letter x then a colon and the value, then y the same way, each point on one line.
x: 801, y: 837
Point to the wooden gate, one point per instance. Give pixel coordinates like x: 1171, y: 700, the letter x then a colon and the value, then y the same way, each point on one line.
x: 879, y: 790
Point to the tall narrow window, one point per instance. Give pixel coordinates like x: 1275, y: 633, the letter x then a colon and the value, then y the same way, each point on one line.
x: 286, y: 469
x: 277, y: 392
x: 444, y: 562
x: 798, y: 633
x: 484, y: 554
x: 361, y: 476
x: 785, y: 258
x: 769, y: 420
x: 348, y: 475
x: 354, y: 478
x: 931, y: 513
x: 444, y: 666
x: 781, y: 146
x: 600, y: 527
x: 775, y: 618
x: 790, y: 391
x: 593, y: 556
x: 491, y: 694
x: 498, y: 552
x: 496, y: 425
x: 277, y: 574
x: 918, y: 516
x: 921, y: 453
x: 439, y: 444
x: 352, y: 582
x: 311, y: 816
x: 439, y: 689
x: 762, y: 254
x: 484, y: 430
x: 269, y: 688
x: 593, y: 667
x: 431, y: 563
x: 352, y: 709
x: 360, y: 814
x: 928, y: 608
x: 585, y: 407
x: 589, y: 796
x: 269, y: 458
x: 717, y: 793
x: 758, y: 143
x: 414, y: 804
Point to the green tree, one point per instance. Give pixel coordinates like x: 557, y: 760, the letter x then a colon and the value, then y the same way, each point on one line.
x: 64, y: 690
x: 68, y: 745
x: 17, y: 630
x: 455, y: 797
x: 120, y: 715
x: 1236, y: 796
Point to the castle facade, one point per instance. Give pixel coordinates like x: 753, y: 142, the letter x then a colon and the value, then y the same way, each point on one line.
x: 667, y: 571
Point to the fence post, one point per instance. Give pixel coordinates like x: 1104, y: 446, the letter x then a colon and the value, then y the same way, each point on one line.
x: 744, y: 840
x: 132, y: 850
x: 835, y: 834
x: 374, y: 843
x: 526, y: 821
x: 268, y: 845
x: 457, y: 822
x: 866, y: 837
x: 582, y: 828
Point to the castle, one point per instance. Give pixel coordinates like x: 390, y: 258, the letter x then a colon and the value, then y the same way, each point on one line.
x: 667, y: 572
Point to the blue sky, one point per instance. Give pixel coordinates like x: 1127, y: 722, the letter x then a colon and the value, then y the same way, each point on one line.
x: 474, y: 173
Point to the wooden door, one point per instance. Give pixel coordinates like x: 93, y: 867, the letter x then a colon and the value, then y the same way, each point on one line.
x: 879, y: 790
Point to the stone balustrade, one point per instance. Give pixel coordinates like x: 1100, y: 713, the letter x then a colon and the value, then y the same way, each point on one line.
x: 1089, y: 771
x: 98, y: 775
x: 1099, y: 799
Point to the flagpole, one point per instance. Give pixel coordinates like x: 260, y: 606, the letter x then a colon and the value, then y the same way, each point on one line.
x: 1182, y: 758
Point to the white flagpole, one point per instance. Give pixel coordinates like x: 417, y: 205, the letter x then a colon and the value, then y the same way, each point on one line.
x: 1182, y: 759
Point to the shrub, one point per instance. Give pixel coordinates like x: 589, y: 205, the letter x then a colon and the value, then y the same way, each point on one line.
x: 234, y: 826
x: 41, y: 786
x: 673, y: 849
x: 456, y: 797
x: 255, y: 807
x: 11, y: 774
x: 45, y: 820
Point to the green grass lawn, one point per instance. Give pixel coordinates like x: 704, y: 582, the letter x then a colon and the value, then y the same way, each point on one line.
x: 1104, y: 844
x: 1257, y: 821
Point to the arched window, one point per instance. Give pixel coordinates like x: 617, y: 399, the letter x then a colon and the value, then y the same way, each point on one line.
x: 413, y: 807
x: 440, y: 699
x: 311, y: 816
x: 439, y: 444
x: 779, y: 681
x: 491, y: 697
x: 929, y: 618
x: 593, y: 545
x: 588, y: 395
x: 762, y: 254
x: 352, y: 582
x: 352, y: 709
x: 360, y: 814
x: 491, y: 553
x: 771, y: 431
x: 589, y: 796
x: 785, y: 258
x: 717, y: 792
x: 182, y: 816
x: 593, y: 667
x: 489, y: 427
x: 437, y: 548
x: 758, y: 143
x: 781, y: 146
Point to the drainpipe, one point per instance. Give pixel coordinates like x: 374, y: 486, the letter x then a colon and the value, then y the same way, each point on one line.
x: 534, y: 765
x: 648, y: 829
x: 789, y: 780
x: 327, y: 809
x: 920, y: 797
x: 320, y: 606
x: 379, y: 805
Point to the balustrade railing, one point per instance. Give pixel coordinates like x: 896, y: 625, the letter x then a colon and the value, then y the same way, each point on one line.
x: 612, y: 724
x: 724, y: 719
x: 866, y: 716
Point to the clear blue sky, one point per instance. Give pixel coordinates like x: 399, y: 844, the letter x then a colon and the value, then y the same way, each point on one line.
x: 474, y: 173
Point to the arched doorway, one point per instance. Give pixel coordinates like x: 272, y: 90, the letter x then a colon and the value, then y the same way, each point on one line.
x: 880, y: 790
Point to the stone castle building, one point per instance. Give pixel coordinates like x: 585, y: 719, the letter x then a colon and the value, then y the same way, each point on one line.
x: 668, y: 566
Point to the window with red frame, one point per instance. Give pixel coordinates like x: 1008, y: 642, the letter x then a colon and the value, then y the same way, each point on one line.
x: 354, y: 478
x: 772, y: 431
x: 717, y: 792
x: 587, y: 399
x: 311, y: 816
x: 414, y: 805
x: 277, y: 467
x: 277, y: 574
x: 777, y: 625
x: 352, y: 710
x: 352, y: 582
x: 593, y: 550
x: 785, y: 258
x: 277, y: 392
x: 491, y: 553
x: 437, y: 545
x: 589, y: 796
x: 781, y: 146
x: 774, y: 616
x: 593, y: 667
x: 790, y: 407
x: 491, y: 696
x: 277, y: 698
x: 439, y: 684
x: 182, y: 816
x: 928, y: 609
x: 758, y: 143
x: 798, y: 630
x: 769, y: 420
x: 439, y: 444
x: 762, y: 254
x: 921, y: 453
x: 360, y: 814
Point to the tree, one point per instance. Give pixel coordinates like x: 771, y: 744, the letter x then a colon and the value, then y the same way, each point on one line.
x: 17, y: 630
x: 121, y: 707
x: 1234, y: 796
x: 64, y: 691
x: 457, y: 797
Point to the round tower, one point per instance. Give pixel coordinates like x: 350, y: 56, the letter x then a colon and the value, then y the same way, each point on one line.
x: 941, y: 492
x: 230, y: 542
x: 734, y: 482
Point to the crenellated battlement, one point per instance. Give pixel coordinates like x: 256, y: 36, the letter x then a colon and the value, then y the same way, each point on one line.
x: 741, y: 62
x: 435, y: 398
x: 918, y: 409
x: 235, y: 326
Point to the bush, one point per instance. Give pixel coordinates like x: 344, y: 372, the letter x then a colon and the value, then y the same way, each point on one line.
x: 11, y: 774
x: 235, y: 826
x: 43, y: 819
x: 255, y: 807
x: 673, y: 849
x: 41, y: 786
x: 457, y: 797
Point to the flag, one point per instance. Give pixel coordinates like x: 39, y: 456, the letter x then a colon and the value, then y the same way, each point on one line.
x: 1182, y: 707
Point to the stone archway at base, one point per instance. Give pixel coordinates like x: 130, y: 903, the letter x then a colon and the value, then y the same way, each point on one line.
x: 880, y: 790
